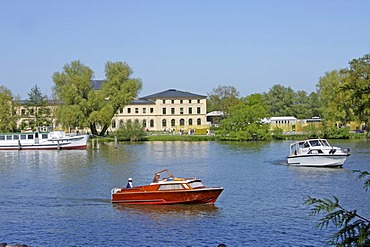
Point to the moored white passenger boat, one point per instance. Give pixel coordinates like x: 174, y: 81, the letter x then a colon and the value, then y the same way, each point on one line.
x: 316, y: 153
x: 42, y: 140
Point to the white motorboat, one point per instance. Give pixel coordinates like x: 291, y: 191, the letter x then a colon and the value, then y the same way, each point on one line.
x: 316, y: 153
x: 42, y: 140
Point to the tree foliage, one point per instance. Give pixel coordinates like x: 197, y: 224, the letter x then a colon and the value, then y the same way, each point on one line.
x: 222, y: 98
x: 85, y: 107
x: 284, y: 101
x: 280, y: 100
x: 8, y: 117
x: 37, y: 104
x: 354, y: 229
x: 357, y: 87
x: 131, y: 132
x: 244, y: 120
x: 335, y: 103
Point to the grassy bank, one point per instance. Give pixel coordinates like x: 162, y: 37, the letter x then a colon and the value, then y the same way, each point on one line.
x: 168, y: 137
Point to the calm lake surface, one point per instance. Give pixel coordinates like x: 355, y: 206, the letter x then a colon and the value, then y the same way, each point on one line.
x: 62, y: 198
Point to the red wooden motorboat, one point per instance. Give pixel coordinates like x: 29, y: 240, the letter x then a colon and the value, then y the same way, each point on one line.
x: 168, y: 190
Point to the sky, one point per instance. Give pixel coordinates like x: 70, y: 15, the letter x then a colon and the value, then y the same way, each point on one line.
x: 193, y: 46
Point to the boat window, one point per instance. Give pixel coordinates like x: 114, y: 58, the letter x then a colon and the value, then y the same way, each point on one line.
x: 315, y: 143
x: 29, y: 137
x: 44, y: 136
x: 23, y: 137
x: 2, y: 138
x: 9, y: 137
x: 16, y: 137
x: 325, y: 143
x: 306, y: 145
x: 196, y: 185
x: 170, y: 187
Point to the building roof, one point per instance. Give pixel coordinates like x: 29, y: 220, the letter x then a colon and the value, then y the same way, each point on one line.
x: 282, y: 118
x: 142, y: 102
x: 215, y: 114
x: 173, y: 93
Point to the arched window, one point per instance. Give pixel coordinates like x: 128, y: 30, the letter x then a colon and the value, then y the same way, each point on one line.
x: 173, y: 122
x: 199, y: 121
x: 129, y: 122
x: 151, y: 123
x: 144, y: 123
x: 120, y: 123
x: 113, y: 124
x: 182, y: 122
x: 190, y: 121
x: 164, y: 123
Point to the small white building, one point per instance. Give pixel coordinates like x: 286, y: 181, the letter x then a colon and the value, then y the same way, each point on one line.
x: 286, y: 123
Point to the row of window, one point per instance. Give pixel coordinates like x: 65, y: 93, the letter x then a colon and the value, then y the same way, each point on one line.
x: 173, y: 112
x: 171, y: 123
x: 282, y: 122
x: 21, y: 137
x: 164, y: 110
x: 41, y: 111
x: 181, y: 101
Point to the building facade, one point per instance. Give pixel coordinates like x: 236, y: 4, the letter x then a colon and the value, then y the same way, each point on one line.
x: 165, y: 111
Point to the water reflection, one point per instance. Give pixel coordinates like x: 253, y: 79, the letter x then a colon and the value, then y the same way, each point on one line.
x: 249, y: 147
x: 177, y: 211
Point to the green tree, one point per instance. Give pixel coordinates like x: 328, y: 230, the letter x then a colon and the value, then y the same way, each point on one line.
x: 335, y: 103
x: 357, y: 87
x: 85, y: 107
x: 314, y: 104
x: 244, y: 120
x: 8, y: 117
x: 281, y: 100
x: 222, y: 98
x: 354, y: 229
x: 131, y: 132
x: 301, y: 106
x: 73, y: 89
x: 37, y: 104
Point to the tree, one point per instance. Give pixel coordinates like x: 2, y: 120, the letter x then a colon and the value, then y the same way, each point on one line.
x: 244, y: 119
x: 301, y: 106
x: 85, y: 107
x: 37, y: 103
x: 222, y: 98
x: 8, y: 115
x: 280, y: 100
x: 354, y: 228
x: 314, y: 104
x: 131, y: 132
x: 357, y: 87
x: 335, y: 103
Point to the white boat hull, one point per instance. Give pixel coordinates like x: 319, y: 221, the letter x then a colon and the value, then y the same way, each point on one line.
x: 49, y: 143
x: 317, y: 160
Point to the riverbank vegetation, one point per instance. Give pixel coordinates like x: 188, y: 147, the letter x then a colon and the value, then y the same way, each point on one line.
x: 342, y: 97
x: 354, y: 229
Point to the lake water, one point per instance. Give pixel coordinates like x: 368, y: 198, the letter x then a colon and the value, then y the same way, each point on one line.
x: 62, y: 198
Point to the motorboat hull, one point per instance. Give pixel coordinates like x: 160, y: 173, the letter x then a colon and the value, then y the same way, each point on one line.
x: 64, y: 142
x: 196, y: 196
x: 317, y: 160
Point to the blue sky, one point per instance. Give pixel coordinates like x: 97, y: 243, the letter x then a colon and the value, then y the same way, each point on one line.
x: 192, y: 46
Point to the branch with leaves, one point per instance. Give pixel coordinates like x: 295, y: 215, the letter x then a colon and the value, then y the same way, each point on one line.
x: 354, y: 229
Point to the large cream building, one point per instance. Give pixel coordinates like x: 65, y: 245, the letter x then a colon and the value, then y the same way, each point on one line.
x: 168, y: 110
